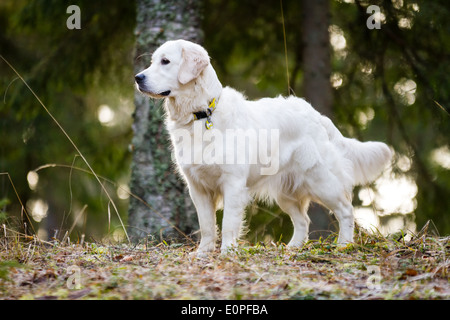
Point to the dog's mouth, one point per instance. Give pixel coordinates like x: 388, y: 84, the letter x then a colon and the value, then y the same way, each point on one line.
x: 152, y: 94
x: 165, y: 93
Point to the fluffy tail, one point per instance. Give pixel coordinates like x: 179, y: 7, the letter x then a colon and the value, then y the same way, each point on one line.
x: 369, y: 159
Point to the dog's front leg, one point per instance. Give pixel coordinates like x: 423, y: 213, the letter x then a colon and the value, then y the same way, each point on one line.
x: 206, y: 217
x: 235, y: 197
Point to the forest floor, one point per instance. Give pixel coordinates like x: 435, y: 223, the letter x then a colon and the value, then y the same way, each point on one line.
x: 374, y: 267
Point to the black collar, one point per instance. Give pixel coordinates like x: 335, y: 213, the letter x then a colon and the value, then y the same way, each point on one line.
x: 206, y: 114
x: 202, y: 114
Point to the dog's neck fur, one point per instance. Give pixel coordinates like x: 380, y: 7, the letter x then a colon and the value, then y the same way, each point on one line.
x: 180, y: 108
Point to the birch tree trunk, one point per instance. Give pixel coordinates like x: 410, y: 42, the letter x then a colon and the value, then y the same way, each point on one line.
x: 153, y: 176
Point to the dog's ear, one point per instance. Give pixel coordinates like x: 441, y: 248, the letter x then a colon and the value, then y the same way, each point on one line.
x: 194, y: 61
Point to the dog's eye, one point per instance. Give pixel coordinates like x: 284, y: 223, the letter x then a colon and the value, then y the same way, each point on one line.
x: 165, y: 61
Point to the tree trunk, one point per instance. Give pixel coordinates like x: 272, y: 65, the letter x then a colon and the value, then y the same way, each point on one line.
x: 153, y: 175
x: 317, y: 55
x: 316, y: 84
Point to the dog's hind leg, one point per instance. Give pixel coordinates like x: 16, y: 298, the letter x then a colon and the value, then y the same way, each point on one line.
x: 297, y: 210
x: 343, y: 210
x: 329, y: 191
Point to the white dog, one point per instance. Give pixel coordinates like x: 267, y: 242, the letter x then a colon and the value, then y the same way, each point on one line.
x: 285, y: 152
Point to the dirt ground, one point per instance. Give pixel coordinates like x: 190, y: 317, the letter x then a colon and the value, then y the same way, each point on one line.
x: 374, y: 267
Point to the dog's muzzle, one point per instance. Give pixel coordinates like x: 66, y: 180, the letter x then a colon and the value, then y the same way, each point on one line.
x: 140, y: 81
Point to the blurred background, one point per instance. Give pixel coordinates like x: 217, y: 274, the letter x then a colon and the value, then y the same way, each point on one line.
x: 380, y: 75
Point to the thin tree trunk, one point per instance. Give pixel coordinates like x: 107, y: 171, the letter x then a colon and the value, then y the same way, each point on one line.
x: 153, y: 176
x: 316, y: 84
x: 317, y: 55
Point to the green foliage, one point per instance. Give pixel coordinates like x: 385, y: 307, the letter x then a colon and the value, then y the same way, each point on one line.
x: 73, y: 72
x: 5, y: 267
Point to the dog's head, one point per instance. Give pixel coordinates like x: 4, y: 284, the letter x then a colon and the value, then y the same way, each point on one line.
x: 174, y: 65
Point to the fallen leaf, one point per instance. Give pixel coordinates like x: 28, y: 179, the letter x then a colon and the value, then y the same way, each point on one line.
x: 408, y: 273
x: 127, y: 258
x: 118, y: 257
x: 411, y: 272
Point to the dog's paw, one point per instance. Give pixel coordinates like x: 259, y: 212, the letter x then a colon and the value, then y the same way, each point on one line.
x: 344, y: 241
x: 226, y: 250
x: 200, y: 254
x: 345, y: 246
x: 203, y: 251
x: 296, y: 244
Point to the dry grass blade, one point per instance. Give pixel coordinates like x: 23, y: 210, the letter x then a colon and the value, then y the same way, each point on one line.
x: 77, y: 218
x: 285, y: 48
x: 24, y: 209
x: 440, y: 106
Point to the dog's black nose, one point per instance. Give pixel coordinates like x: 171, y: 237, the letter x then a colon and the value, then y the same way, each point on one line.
x: 140, y: 77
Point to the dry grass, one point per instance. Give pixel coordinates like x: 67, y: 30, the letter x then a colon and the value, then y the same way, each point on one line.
x: 374, y: 267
